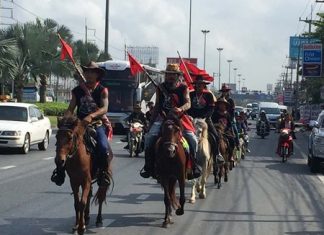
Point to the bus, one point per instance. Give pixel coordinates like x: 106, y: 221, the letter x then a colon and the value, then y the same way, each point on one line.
x: 125, y: 90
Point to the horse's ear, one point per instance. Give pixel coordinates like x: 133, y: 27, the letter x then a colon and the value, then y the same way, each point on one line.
x: 59, y: 122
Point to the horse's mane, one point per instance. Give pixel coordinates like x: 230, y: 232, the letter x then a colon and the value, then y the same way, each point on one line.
x: 173, y: 117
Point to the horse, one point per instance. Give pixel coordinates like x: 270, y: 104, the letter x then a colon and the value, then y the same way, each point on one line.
x: 73, y: 156
x: 204, y: 155
x: 171, y: 166
x: 220, y: 169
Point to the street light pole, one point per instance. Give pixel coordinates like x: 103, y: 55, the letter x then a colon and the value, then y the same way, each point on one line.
x: 229, y: 71
x: 239, y: 81
x: 189, y: 29
x: 204, y: 31
x: 219, y: 67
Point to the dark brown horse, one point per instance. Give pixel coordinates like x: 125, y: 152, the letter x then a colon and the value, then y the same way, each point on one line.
x: 221, y: 169
x: 72, y: 154
x: 171, y: 166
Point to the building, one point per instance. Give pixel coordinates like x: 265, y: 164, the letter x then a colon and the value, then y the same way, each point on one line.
x: 145, y: 55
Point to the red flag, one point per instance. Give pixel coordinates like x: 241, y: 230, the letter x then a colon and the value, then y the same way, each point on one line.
x: 195, y: 71
x: 186, y: 75
x: 135, y: 67
x: 66, y: 50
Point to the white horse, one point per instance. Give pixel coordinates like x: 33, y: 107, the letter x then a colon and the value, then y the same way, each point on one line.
x: 205, y: 157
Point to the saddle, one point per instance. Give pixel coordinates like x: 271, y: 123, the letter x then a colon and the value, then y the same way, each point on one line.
x: 90, y: 140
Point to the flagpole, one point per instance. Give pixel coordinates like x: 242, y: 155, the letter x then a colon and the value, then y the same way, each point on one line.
x: 184, y: 66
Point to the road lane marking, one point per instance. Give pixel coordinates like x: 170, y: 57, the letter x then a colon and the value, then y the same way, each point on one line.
x: 7, y: 167
x: 47, y: 158
x: 143, y: 197
x: 118, y: 142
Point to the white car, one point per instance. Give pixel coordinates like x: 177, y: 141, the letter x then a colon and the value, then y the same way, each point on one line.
x: 22, y: 125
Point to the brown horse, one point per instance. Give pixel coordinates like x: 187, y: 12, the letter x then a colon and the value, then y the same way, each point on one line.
x: 221, y: 169
x: 72, y: 154
x: 171, y: 166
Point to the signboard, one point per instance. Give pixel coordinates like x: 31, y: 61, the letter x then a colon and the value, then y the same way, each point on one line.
x: 295, y: 44
x: 176, y: 60
x: 288, y: 96
x: 312, y: 60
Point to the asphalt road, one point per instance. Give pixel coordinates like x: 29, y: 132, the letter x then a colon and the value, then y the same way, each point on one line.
x: 263, y: 196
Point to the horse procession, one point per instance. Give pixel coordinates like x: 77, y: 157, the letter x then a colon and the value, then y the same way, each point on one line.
x: 190, y: 136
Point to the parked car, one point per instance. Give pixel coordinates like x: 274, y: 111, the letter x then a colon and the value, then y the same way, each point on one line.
x: 316, y: 144
x: 23, y: 125
x: 239, y: 109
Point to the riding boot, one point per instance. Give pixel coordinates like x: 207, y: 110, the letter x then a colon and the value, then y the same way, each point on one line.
x: 148, y: 169
x: 104, y: 176
x: 58, y: 176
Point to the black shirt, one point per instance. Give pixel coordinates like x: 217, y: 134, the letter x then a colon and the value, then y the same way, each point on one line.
x: 85, y: 104
x: 202, y: 106
x: 175, y: 98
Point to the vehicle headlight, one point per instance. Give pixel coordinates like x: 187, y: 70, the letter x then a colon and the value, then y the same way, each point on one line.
x: 11, y: 133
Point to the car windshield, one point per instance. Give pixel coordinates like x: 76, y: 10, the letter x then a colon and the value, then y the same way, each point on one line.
x: 271, y: 110
x: 11, y: 113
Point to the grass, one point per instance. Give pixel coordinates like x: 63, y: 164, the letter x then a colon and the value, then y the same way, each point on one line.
x: 53, y: 120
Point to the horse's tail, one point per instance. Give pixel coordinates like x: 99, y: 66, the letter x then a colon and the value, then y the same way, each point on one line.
x: 101, y: 193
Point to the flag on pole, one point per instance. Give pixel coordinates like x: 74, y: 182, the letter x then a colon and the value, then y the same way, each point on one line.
x: 66, y: 50
x: 186, y: 75
x: 135, y: 66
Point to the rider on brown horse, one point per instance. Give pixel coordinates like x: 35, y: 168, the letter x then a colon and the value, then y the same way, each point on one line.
x: 202, y: 106
x: 91, y: 110
x: 173, y: 96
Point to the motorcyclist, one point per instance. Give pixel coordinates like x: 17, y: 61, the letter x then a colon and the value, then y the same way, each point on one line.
x: 136, y: 116
x: 171, y: 95
x: 242, y: 127
x: 287, y: 123
x: 202, y: 106
x: 263, y: 117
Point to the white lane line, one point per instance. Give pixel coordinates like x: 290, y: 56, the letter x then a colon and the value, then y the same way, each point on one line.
x: 118, y: 142
x: 304, y: 155
x: 47, y: 158
x: 143, y: 197
x: 7, y: 167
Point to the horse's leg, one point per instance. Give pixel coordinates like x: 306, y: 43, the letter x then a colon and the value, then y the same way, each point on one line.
x: 193, y: 192
x: 75, y: 189
x: 167, y: 203
x: 226, y: 172
x: 101, y: 194
x: 82, y: 205
x: 181, y: 181
x: 220, y: 175
x: 203, y: 178
x: 87, y: 209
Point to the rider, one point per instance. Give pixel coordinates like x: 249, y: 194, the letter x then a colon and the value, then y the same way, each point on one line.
x: 202, y: 106
x: 263, y: 117
x: 136, y: 116
x: 91, y: 110
x: 287, y: 123
x: 225, y: 90
x: 149, y: 113
x: 171, y: 95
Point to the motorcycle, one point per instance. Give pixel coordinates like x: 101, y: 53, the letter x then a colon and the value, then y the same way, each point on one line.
x: 263, y: 130
x: 135, y: 139
x: 285, y: 144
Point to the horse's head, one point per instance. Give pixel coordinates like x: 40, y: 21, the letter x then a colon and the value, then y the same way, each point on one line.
x: 66, y: 139
x: 201, y: 128
x: 171, y: 130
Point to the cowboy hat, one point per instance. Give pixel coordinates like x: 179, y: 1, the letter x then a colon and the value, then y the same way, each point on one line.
x: 225, y: 88
x: 200, y: 79
x: 172, y: 68
x: 222, y: 100
x: 92, y: 66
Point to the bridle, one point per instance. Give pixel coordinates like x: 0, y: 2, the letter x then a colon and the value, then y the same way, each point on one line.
x: 74, y: 148
x: 171, y: 144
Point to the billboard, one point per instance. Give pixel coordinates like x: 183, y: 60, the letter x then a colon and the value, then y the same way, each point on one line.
x: 295, y: 46
x: 176, y: 60
x: 312, y: 60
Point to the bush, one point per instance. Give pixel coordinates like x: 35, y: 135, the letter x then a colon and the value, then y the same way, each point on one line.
x: 53, y: 108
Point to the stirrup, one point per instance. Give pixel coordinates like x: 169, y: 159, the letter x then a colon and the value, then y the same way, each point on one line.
x: 220, y: 158
x: 104, y: 179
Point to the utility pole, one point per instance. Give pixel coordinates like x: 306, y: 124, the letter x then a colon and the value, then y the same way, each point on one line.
x: 204, y: 31
x: 219, y: 67
x: 229, y: 71
x: 189, y: 29
x: 107, y: 27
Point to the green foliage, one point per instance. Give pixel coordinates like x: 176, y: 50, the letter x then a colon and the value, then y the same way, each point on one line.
x: 53, y: 108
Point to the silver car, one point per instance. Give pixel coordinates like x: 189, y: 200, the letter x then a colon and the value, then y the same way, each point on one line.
x: 316, y: 144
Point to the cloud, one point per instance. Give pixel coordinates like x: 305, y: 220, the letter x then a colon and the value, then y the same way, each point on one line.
x: 254, y: 33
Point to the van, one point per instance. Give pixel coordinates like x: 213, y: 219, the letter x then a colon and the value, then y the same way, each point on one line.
x: 272, y: 111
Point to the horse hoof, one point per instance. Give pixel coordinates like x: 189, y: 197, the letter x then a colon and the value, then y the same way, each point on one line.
x: 216, y: 180
x: 98, y: 224
x: 202, y: 196
x: 192, y: 200
x: 165, y: 224
x: 81, y: 230
x: 74, y: 229
x: 225, y: 179
x: 219, y: 186
x: 179, y: 211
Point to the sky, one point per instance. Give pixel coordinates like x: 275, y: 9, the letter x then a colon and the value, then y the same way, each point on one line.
x: 254, y: 33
